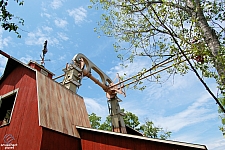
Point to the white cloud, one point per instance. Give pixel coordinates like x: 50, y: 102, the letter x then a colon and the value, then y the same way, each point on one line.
x: 3, y: 61
x: 45, y: 15
x: 60, y: 23
x: 176, y: 85
x: 94, y: 107
x: 131, y: 70
x: 197, y: 112
x: 55, y: 4
x: 182, y: 82
x: 79, y: 14
x: 62, y: 57
x: 217, y: 144
x: 48, y: 29
x: 131, y: 106
x: 40, y: 35
x: 4, y: 41
x: 62, y: 36
x: 26, y: 59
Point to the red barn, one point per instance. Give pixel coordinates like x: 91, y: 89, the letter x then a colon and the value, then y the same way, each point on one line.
x: 37, y: 113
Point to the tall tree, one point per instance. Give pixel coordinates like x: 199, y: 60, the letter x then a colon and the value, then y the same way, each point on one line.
x: 106, y: 125
x: 152, y: 131
x: 94, y: 120
x: 148, y: 129
x: 8, y: 19
x: 189, y: 31
x: 130, y: 119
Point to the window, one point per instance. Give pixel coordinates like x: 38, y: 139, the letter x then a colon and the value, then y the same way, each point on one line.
x: 6, y: 107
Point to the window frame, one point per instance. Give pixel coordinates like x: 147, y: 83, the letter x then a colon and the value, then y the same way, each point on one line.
x: 6, y: 96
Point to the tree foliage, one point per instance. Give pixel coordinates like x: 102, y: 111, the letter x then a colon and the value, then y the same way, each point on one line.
x: 94, y: 120
x: 189, y: 31
x: 7, y: 19
x: 148, y: 129
x: 130, y: 119
x: 106, y: 125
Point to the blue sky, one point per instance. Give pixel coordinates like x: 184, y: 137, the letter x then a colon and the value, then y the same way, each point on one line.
x: 180, y: 105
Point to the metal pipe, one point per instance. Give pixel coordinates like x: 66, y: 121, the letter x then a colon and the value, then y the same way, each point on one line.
x: 89, y: 75
x: 155, y: 66
x: 146, y: 76
x: 150, y: 75
x: 58, y: 77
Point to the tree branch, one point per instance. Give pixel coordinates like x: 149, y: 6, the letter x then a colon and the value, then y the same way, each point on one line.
x: 192, y: 67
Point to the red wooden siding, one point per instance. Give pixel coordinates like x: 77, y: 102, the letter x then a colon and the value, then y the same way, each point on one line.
x: 52, y: 140
x: 102, y: 141
x: 24, y: 122
x: 60, y: 109
x: 38, y: 67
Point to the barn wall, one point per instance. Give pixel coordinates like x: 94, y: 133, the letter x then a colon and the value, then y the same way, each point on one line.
x: 39, y: 68
x: 52, y: 140
x: 97, y: 140
x: 24, y: 122
x: 59, y: 108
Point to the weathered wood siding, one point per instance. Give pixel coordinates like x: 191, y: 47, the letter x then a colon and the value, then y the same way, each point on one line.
x: 60, y: 109
x: 24, y: 125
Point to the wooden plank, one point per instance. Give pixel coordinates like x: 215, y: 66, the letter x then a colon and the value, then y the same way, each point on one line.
x: 59, y: 108
x: 29, y: 106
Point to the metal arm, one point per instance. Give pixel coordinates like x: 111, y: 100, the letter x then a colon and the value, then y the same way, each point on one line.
x: 86, y: 65
x: 81, y: 66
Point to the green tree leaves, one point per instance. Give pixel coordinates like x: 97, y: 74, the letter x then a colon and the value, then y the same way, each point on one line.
x: 7, y: 19
x: 130, y: 119
x: 94, y: 120
x: 148, y: 129
x: 106, y: 125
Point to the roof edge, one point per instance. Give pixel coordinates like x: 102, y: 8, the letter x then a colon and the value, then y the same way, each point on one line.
x: 11, y: 64
x: 146, y: 138
x: 4, y: 54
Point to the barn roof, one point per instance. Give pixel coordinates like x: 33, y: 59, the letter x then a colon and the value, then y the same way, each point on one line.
x: 11, y: 64
x: 198, y: 146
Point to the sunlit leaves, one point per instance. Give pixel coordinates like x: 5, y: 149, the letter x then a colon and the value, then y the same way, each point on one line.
x: 130, y: 119
x: 6, y: 18
x: 148, y: 129
x: 106, y: 125
x: 152, y: 131
x: 94, y: 120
